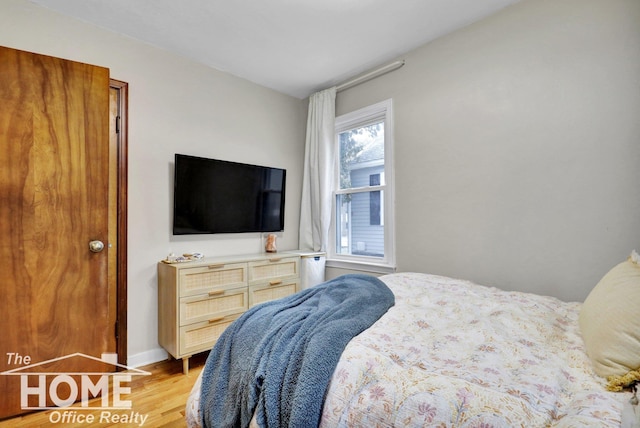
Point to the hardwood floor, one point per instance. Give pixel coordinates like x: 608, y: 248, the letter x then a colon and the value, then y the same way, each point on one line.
x: 161, y: 397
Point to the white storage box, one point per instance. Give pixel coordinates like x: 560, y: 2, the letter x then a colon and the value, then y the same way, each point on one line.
x: 311, y: 269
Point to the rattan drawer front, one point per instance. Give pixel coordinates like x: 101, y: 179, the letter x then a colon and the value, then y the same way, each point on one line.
x: 202, y: 279
x: 202, y: 336
x: 273, y: 269
x: 214, y: 305
x: 276, y: 290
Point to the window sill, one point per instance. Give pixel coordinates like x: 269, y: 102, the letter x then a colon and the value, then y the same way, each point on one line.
x: 360, y: 266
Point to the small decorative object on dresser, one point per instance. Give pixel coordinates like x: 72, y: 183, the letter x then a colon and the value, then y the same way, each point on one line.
x: 270, y: 246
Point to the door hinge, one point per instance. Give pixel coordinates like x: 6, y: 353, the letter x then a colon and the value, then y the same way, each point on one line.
x: 117, y: 124
x: 116, y: 330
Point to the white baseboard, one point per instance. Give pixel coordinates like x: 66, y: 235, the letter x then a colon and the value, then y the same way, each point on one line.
x: 147, y: 357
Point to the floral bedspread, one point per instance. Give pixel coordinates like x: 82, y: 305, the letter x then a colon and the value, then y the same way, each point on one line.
x: 451, y: 353
x: 454, y: 354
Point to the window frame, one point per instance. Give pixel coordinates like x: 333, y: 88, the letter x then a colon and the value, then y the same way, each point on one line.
x: 382, y: 111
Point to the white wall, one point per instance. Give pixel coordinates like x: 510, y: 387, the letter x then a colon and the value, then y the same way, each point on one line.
x: 175, y: 105
x: 518, y: 139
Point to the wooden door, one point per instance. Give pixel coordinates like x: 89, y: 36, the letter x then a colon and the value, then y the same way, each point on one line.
x: 54, y: 200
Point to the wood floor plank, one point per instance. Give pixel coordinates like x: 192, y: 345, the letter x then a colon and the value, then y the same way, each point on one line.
x: 161, y: 397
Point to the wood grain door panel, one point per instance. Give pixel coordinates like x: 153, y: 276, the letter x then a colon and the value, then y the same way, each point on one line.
x: 54, y: 199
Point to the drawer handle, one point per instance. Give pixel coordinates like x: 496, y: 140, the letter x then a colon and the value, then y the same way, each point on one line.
x: 274, y: 260
x: 216, y: 319
x: 275, y: 282
x: 215, y: 266
x: 216, y: 292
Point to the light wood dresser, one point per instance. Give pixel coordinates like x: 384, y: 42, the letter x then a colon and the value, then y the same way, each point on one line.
x: 198, y: 300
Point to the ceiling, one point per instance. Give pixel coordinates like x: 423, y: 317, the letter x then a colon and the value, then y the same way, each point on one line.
x: 292, y: 46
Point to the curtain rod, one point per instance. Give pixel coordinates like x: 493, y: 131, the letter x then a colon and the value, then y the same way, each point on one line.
x: 370, y: 75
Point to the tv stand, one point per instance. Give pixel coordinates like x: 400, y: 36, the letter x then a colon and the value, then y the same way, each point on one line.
x: 198, y: 300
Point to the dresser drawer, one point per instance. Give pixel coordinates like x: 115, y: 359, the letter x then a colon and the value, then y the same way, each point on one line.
x: 274, y: 268
x: 214, y: 305
x: 271, y: 291
x: 202, y: 336
x: 213, y: 277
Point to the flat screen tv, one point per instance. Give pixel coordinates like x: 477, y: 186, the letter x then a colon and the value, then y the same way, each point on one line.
x: 217, y: 196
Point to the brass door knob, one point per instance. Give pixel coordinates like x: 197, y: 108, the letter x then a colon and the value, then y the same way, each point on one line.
x: 96, y: 246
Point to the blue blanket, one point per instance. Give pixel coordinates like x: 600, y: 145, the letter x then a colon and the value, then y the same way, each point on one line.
x: 277, y: 359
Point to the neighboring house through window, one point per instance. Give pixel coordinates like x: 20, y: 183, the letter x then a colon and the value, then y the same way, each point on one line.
x: 375, y: 206
x: 363, y: 218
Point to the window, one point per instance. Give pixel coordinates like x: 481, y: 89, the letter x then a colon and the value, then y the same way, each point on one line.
x: 362, y: 229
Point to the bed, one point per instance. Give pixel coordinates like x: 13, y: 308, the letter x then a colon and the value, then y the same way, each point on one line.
x: 451, y: 353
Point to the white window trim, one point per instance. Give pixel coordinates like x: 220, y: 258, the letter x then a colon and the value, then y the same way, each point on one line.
x: 363, y: 117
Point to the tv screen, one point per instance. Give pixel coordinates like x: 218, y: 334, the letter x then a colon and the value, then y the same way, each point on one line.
x: 216, y: 196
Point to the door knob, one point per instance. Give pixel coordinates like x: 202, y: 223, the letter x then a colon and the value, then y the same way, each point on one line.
x: 96, y: 246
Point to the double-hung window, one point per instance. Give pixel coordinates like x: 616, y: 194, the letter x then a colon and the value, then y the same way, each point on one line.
x: 362, y: 228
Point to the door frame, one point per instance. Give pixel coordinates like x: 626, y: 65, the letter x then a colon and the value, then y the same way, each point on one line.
x: 122, y: 210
